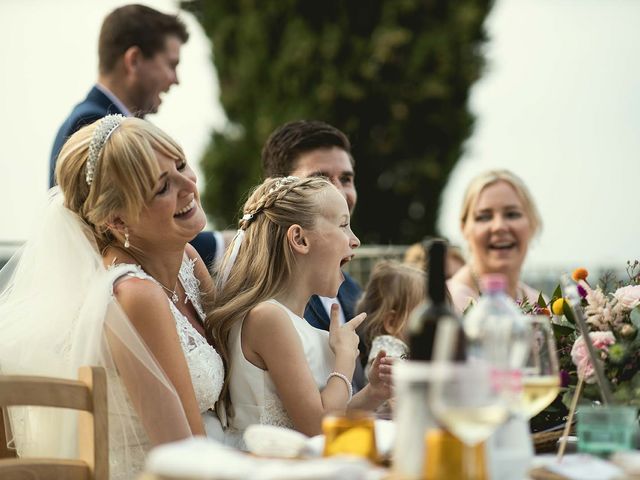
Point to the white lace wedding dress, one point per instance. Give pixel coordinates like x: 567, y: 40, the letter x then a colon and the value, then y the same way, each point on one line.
x: 253, y: 393
x: 205, y: 366
x: 58, y: 313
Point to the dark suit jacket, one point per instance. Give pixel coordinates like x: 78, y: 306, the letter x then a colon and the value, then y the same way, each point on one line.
x: 316, y: 315
x: 95, y: 106
x: 92, y: 108
x: 205, y: 244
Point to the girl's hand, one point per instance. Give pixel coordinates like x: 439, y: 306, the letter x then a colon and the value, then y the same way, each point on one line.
x: 343, y: 338
x: 380, y: 376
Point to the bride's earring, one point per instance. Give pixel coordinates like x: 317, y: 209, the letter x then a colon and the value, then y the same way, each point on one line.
x: 126, y: 238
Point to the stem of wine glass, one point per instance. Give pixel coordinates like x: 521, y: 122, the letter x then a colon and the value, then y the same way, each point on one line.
x: 469, y: 461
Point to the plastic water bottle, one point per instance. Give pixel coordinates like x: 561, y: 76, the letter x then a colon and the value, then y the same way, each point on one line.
x: 497, y: 332
x: 495, y: 328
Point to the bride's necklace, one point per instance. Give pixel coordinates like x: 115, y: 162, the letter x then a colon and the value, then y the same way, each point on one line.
x: 174, y: 293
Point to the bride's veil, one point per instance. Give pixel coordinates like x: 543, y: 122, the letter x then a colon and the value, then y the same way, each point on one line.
x: 57, y: 313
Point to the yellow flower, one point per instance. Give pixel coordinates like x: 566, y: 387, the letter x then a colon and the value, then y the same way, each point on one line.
x: 557, y: 307
x: 580, y: 274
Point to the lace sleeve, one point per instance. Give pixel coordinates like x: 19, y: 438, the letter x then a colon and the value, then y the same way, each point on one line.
x: 191, y: 285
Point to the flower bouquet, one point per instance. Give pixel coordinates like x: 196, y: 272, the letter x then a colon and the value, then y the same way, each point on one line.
x: 612, y: 312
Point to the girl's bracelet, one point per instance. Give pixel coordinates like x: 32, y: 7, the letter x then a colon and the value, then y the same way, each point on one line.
x: 346, y: 382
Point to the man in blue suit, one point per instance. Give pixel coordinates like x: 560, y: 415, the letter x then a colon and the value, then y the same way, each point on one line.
x: 313, y: 148
x: 138, y: 56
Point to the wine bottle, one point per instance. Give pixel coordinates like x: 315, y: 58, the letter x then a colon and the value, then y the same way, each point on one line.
x: 435, y: 331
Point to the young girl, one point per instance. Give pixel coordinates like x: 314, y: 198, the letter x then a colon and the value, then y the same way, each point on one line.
x: 293, y: 240
x: 393, y: 291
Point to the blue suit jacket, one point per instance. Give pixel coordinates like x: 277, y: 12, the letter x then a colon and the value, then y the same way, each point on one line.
x: 92, y: 108
x: 316, y: 315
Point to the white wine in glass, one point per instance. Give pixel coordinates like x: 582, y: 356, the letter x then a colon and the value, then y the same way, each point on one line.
x: 541, y: 377
x: 538, y: 393
x: 466, y: 400
x: 473, y: 425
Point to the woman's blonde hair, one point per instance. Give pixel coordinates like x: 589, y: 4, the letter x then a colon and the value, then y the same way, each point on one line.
x: 126, y: 173
x: 392, y: 286
x: 479, y: 183
x: 265, y: 260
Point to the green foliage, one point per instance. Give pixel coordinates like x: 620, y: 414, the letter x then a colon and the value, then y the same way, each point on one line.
x: 635, y: 317
x: 393, y: 75
x: 541, y: 301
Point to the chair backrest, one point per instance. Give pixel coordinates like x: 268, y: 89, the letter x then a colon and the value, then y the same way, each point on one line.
x: 88, y: 394
x: 4, y: 451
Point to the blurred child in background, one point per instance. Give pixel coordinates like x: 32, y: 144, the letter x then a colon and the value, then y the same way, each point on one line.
x: 393, y: 291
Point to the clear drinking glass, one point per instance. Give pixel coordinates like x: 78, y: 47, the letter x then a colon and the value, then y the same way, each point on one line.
x: 603, y: 430
x: 350, y: 433
x: 540, y: 375
x: 446, y: 457
x: 467, y: 400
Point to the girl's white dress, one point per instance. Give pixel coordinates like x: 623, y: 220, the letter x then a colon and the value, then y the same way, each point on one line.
x: 252, y: 391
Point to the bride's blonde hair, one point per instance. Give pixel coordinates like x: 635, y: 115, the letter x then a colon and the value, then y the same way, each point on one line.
x: 126, y: 173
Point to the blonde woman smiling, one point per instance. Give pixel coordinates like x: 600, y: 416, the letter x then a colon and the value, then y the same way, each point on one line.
x: 498, y: 220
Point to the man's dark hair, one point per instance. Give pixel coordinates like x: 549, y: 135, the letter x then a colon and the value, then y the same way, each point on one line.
x: 289, y: 141
x: 136, y: 25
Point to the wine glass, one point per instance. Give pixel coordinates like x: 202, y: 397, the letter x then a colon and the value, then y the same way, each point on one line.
x: 467, y: 400
x: 540, y: 375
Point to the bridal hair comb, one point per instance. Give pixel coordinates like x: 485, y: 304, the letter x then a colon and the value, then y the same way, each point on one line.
x: 100, y: 136
x: 283, y: 182
x: 246, y: 220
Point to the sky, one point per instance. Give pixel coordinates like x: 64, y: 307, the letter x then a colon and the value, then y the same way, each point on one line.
x: 559, y: 104
x: 49, y: 66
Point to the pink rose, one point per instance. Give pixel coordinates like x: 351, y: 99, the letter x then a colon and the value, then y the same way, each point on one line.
x: 580, y: 354
x: 629, y: 296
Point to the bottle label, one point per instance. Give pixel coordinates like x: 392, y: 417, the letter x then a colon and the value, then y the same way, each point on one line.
x: 445, y: 339
x: 508, y: 381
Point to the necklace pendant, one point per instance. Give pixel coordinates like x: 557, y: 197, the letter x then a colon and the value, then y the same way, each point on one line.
x: 174, y: 298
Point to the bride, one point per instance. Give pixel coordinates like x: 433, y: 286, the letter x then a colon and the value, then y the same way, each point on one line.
x: 109, y: 279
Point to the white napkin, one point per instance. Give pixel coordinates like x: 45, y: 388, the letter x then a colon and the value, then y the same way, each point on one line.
x: 338, y: 468
x: 580, y: 467
x: 628, y: 461
x: 272, y: 441
x: 200, y: 458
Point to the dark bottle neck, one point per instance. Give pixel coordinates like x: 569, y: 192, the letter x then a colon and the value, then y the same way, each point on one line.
x: 435, y: 277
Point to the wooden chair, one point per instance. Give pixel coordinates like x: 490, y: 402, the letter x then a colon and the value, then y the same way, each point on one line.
x: 4, y: 451
x: 87, y: 394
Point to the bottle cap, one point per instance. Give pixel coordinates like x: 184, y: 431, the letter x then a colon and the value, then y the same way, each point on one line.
x: 493, y: 282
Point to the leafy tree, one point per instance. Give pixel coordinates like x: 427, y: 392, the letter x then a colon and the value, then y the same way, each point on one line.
x: 394, y: 75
